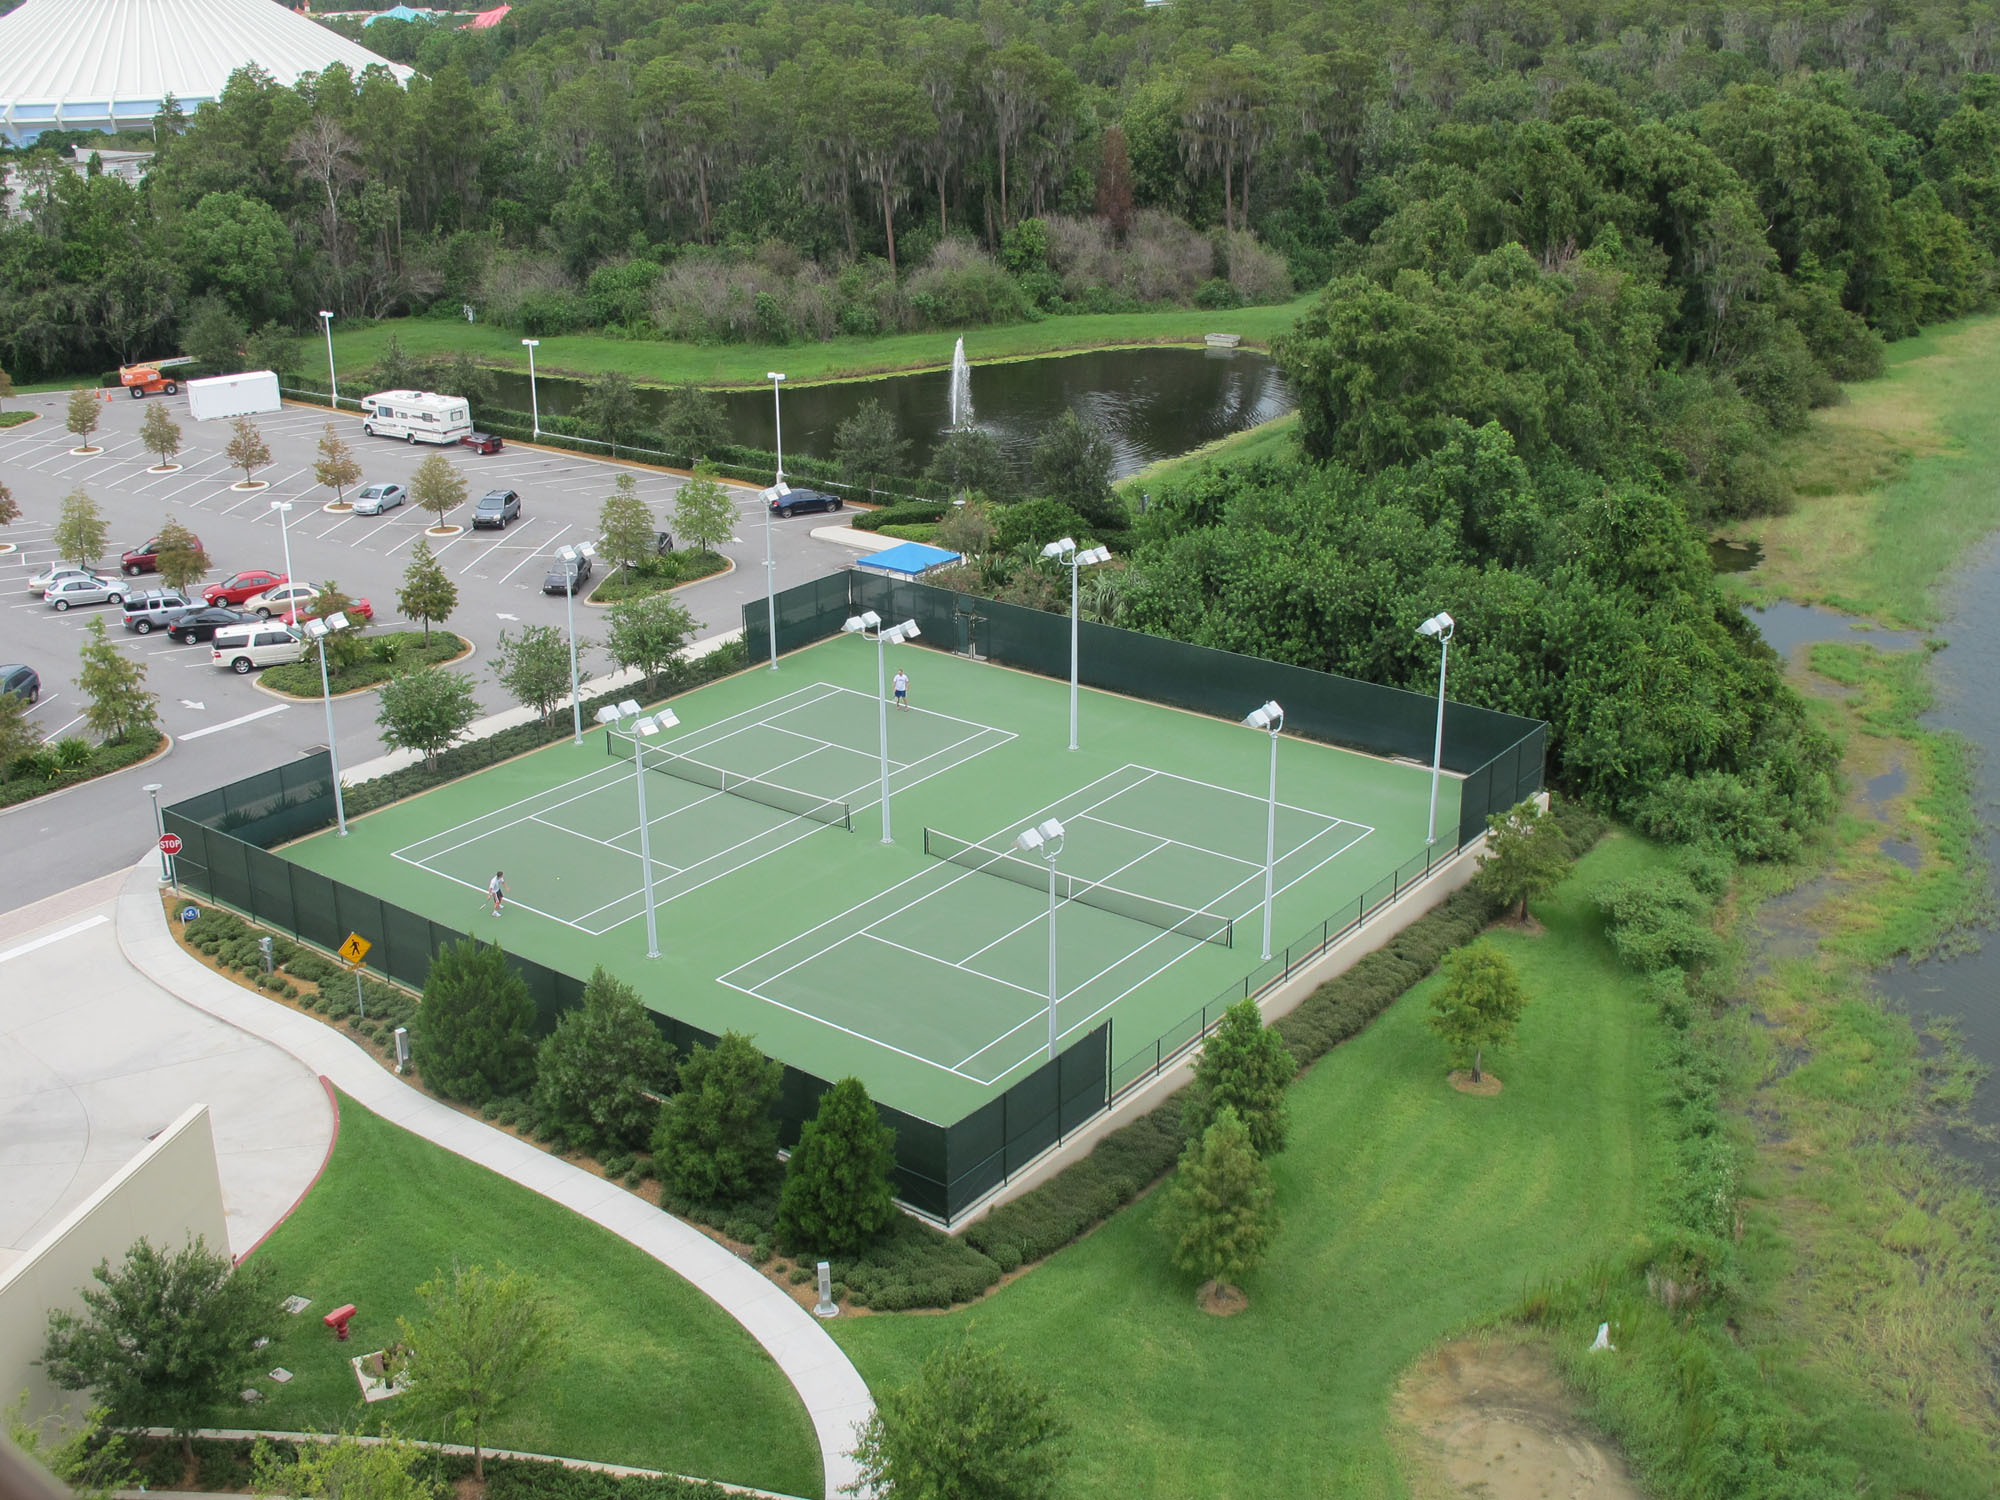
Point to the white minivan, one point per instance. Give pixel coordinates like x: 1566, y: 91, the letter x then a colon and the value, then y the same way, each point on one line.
x: 266, y: 644
x: 416, y: 416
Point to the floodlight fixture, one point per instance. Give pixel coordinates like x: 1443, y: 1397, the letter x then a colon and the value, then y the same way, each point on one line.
x: 534, y: 395
x: 776, y: 492
x: 1046, y: 839
x: 332, y: 381
x: 1439, y: 627
x: 1063, y: 550
x: 319, y: 630
x: 609, y: 713
x: 1270, y: 718
x: 868, y: 625
x: 1062, y: 547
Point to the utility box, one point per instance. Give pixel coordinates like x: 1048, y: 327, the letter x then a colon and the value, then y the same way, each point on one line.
x: 222, y: 396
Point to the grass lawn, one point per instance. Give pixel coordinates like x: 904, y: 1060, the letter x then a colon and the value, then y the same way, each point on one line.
x: 301, y: 679
x: 1409, y: 1211
x: 1893, y: 484
x: 663, y: 363
x: 1272, y: 439
x: 659, y: 1376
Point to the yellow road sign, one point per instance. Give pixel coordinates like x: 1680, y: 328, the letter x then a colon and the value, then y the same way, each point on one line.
x: 355, y: 948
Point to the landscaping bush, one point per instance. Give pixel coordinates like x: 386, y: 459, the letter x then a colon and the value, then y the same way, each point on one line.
x: 43, y: 771
x: 906, y: 513
x: 385, y: 656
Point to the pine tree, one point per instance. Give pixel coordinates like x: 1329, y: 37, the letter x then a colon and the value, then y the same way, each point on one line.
x: 472, y: 1026
x: 85, y: 412
x: 869, y: 447
x: 120, y: 707
x: 837, y: 1195
x: 1526, y: 856
x: 427, y: 594
x: 1244, y: 1066
x: 335, y: 468
x: 247, y: 449
x: 1217, y: 1212
x: 425, y: 708
x: 625, y: 529
x: 80, y: 530
x: 596, y: 1073
x: 1478, y: 1003
x: 717, y: 1139
x: 704, y: 515
x: 160, y: 434
x: 438, y: 487
x: 180, y: 557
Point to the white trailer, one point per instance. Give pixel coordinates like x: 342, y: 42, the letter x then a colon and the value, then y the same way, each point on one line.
x: 232, y: 395
x: 416, y: 416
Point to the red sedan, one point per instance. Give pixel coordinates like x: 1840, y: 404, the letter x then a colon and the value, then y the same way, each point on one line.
x: 241, y: 586
x: 360, y: 608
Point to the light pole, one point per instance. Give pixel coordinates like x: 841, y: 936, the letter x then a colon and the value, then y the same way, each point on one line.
x: 1046, y: 839
x: 1065, y: 552
x: 861, y: 625
x: 332, y: 384
x: 322, y: 631
x: 284, y: 508
x: 643, y: 727
x: 1441, y: 626
x: 534, y: 400
x: 778, y: 490
x: 1270, y: 718
x: 572, y: 557
x: 152, y: 789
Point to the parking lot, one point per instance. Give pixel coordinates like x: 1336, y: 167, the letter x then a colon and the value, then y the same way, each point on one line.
x: 225, y: 726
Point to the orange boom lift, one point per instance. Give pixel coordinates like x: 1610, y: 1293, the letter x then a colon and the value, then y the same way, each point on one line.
x: 146, y: 380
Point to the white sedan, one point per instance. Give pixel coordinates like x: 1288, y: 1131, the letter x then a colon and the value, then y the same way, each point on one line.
x: 378, y: 498
x: 89, y: 589
x: 277, y: 601
x: 53, y: 574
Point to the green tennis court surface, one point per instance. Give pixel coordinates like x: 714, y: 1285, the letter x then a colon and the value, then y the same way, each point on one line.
x: 923, y: 965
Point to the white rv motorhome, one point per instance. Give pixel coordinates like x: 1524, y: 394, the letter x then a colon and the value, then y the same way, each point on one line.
x: 416, y: 416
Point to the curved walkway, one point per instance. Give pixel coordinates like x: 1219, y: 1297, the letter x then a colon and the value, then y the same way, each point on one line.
x: 834, y: 1394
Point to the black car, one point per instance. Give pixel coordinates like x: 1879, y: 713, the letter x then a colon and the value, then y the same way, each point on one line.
x: 566, y: 575
x: 805, y: 502
x: 201, y: 624
x: 22, y: 682
x: 496, y: 508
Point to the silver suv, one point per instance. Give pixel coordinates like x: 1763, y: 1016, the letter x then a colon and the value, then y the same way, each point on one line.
x: 89, y: 590
x: 156, y: 609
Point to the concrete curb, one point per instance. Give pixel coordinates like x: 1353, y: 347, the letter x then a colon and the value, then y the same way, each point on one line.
x: 861, y: 541
x: 835, y: 1397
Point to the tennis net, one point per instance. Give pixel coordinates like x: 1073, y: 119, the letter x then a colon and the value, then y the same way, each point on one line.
x: 1205, y: 926
x: 785, y: 799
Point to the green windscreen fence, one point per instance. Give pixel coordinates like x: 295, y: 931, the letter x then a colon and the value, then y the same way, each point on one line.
x: 227, y: 855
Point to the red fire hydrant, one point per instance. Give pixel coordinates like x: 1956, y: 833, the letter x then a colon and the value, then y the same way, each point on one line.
x: 337, y: 1320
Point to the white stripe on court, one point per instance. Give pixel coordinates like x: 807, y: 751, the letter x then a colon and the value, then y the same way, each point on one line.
x: 55, y: 937
x: 262, y: 713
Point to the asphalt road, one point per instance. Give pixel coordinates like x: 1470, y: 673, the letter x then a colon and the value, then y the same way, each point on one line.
x: 224, y: 726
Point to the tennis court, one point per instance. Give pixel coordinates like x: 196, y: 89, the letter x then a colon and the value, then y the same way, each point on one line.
x: 923, y: 965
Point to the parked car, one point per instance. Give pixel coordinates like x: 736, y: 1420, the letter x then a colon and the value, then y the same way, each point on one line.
x: 481, y: 442
x: 243, y: 647
x: 277, y: 601
x: 379, y: 497
x: 805, y: 502
x: 156, y: 609
x: 198, y: 625
x: 92, y: 590
x: 21, y: 681
x: 39, y: 583
x: 496, y: 508
x: 145, y: 558
x: 241, y: 586
x: 360, y: 608
x: 566, y: 575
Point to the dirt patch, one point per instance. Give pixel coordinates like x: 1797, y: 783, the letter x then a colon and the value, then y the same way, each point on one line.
x: 1488, y: 1418
x: 1220, y: 1300
x: 1486, y: 1088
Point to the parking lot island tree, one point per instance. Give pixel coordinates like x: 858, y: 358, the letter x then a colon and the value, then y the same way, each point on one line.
x: 625, y: 530
x: 425, y: 709
x: 1526, y: 857
x: 972, y: 1422
x: 599, y: 1074
x: 438, y: 487
x: 1217, y: 1211
x: 247, y: 451
x: 84, y: 413
x: 181, y: 559
x: 869, y: 447
x: 343, y: 648
x: 160, y: 435
x: 119, y: 706
x: 428, y: 594
x: 336, y: 467
x: 717, y: 1140
x: 837, y: 1195
x: 10, y: 508
x: 1244, y: 1066
x: 704, y: 515
x: 532, y: 663
x: 484, y: 1339
x: 80, y: 530
x: 18, y: 734
x: 166, y: 1337
x: 472, y: 1026
x: 1478, y: 1004
x: 648, y: 632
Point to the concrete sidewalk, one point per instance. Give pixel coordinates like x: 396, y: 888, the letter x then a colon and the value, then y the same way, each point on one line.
x: 833, y: 1392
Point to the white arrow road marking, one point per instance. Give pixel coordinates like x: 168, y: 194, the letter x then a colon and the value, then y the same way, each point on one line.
x: 515, y: 618
x: 262, y: 713
x: 190, y: 703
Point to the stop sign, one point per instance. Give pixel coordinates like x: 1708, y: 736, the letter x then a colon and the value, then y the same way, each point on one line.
x: 170, y: 843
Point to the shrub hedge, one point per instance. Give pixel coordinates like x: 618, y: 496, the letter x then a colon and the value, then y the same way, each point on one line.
x: 657, y: 575
x: 230, y: 1466
x: 49, y: 771
x: 907, y: 513
x: 386, y: 656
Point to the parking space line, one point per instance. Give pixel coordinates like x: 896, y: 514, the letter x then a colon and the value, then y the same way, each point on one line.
x: 262, y: 713
x: 540, y: 552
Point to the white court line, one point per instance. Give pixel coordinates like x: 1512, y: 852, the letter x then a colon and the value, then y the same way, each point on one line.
x: 262, y: 713
x: 55, y: 937
x: 1182, y: 843
x: 860, y: 1036
x: 876, y: 937
x: 606, y: 843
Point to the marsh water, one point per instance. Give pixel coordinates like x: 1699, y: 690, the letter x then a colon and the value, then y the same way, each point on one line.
x: 1152, y: 403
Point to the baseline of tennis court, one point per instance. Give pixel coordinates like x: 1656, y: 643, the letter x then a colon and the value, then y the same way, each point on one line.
x: 950, y: 967
x: 718, y: 799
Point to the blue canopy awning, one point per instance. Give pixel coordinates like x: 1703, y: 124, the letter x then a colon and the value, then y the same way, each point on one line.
x: 910, y: 559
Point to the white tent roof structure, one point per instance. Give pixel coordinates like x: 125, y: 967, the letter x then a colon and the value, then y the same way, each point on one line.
x: 108, y: 64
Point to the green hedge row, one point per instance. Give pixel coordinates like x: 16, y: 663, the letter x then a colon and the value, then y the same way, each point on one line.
x: 229, y: 1466
x: 45, y: 775
x: 385, y: 656
x: 232, y: 942
x: 909, y: 513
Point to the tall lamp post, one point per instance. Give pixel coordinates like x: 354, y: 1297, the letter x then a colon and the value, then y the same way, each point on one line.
x: 1046, y: 839
x: 332, y: 384
x: 321, y: 632
x: 869, y: 627
x: 534, y: 398
x: 284, y: 509
x: 644, y: 726
x: 777, y: 491
x: 1065, y: 552
x: 1440, y: 627
x: 572, y: 558
x: 152, y: 789
x: 1271, y: 719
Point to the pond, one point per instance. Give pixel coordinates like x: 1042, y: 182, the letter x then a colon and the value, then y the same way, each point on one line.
x: 1153, y: 403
